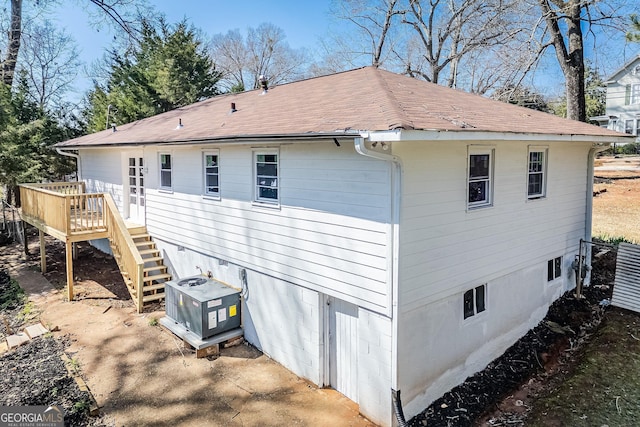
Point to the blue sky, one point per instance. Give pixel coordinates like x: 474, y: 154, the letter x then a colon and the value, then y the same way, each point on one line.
x: 305, y: 22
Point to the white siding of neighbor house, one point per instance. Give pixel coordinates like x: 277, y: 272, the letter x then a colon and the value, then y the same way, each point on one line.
x: 329, y: 233
x: 102, y: 173
x: 616, y: 99
x: 446, y: 249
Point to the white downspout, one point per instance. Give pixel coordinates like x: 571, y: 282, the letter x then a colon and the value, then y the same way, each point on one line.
x: 78, y: 162
x: 360, y: 147
x: 588, y: 222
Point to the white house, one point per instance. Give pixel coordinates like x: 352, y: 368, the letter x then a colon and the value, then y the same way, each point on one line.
x: 623, y: 100
x: 388, y: 233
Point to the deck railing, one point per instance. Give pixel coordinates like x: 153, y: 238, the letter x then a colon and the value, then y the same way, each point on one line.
x: 67, y: 212
x: 64, y: 207
x: 125, y: 250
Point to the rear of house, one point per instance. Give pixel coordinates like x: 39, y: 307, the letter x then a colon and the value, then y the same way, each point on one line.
x: 386, y: 233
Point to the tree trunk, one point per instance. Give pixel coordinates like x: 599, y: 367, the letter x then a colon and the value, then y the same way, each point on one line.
x: 13, y: 46
x: 570, y: 58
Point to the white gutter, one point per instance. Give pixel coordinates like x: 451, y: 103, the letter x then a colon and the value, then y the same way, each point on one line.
x: 588, y: 221
x: 396, y: 187
x: 78, y: 162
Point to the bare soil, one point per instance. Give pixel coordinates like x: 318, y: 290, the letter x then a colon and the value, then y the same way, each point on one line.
x: 141, y: 374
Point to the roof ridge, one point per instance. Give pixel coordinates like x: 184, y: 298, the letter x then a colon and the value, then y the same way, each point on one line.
x: 393, y: 103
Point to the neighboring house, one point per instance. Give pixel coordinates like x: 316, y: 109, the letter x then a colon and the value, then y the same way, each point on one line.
x: 387, y: 233
x: 623, y: 100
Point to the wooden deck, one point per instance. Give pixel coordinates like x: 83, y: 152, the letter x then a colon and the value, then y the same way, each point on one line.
x: 66, y: 212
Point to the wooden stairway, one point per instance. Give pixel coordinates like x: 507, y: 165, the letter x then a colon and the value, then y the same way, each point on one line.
x: 155, y: 273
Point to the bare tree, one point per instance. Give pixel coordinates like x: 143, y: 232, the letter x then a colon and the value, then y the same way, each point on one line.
x: 448, y: 31
x: 563, y: 22
x: 264, y: 52
x: 124, y: 14
x: 50, y: 59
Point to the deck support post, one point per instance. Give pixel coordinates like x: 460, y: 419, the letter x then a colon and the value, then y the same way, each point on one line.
x: 43, y: 254
x: 75, y: 250
x: 69, y: 260
x: 24, y: 235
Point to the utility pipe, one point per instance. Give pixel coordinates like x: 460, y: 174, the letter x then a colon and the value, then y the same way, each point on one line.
x: 78, y: 162
x: 588, y: 222
x: 396, y: 191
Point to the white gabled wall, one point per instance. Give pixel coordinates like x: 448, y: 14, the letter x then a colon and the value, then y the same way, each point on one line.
x: 446, y: 249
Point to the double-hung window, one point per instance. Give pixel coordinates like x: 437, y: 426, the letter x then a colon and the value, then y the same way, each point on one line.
x: 536, y: 173
x: 635, y: 94
x: 266, y: 176
x: 211, y: 173
x: 165, y: 171
x: 480, y: 177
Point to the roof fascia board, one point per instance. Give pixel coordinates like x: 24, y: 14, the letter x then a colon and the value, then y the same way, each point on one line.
x: 239, y: 140
x: 435, y: 135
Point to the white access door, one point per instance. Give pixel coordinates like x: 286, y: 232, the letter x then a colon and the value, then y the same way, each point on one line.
x: 135, y: 188
x: 343, y: 347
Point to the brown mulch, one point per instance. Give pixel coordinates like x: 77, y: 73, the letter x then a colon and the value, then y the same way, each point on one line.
x: 525, y: 369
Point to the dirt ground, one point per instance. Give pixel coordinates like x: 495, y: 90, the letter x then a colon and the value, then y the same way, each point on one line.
x: 616, y: 205
x: 142, y: 375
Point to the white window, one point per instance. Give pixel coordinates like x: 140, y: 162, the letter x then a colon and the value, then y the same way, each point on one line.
x: 629, y: 126
x: 165, y: 172
x: 635, y: 94
x: 480, y: 177
x: 211, y: 173
x: 266, y: 176
x: 536, y: 173
x: 554, y: 269
x: 474, y: 301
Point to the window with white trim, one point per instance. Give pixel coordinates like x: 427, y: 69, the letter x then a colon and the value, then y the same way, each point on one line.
x: 554, y: 269
x: 266, y: 176
x: 211, y: 173
x: 474, y: 301
x: 635, y: 94
x: 629, y: 127
x: 165, y: 171
x: 536, y: 173
x: 480, y: 177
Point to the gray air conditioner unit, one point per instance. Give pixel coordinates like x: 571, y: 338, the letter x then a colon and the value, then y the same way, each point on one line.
x: 204, y: 306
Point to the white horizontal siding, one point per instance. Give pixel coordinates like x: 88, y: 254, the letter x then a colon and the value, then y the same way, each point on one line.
x: 329, y: 233
x: 444, y: 248
x: 102, y: 173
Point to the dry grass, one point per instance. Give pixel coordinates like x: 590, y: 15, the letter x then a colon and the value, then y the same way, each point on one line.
x: 616, y: 211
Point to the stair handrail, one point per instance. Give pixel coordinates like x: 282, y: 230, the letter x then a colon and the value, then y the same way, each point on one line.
x: 130, y: 259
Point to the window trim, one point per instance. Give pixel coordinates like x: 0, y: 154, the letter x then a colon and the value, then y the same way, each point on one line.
x: 635, y: 94
x: 545, y: 162
x: 474, y: 294
x: 205, y: 192
x: 257, y: 200
x: 160, y: 170
x: 476, y: 150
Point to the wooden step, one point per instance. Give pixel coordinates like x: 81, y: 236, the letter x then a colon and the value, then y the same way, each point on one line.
x: 154, y: 268
x: 149, y: 251
x: 136, y: 229
x: 154, y: 297
x: 154, y: 259
x: 141, y: 236
x: 153, y: 287
x: 157, y: 277
x: 145, y: 243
